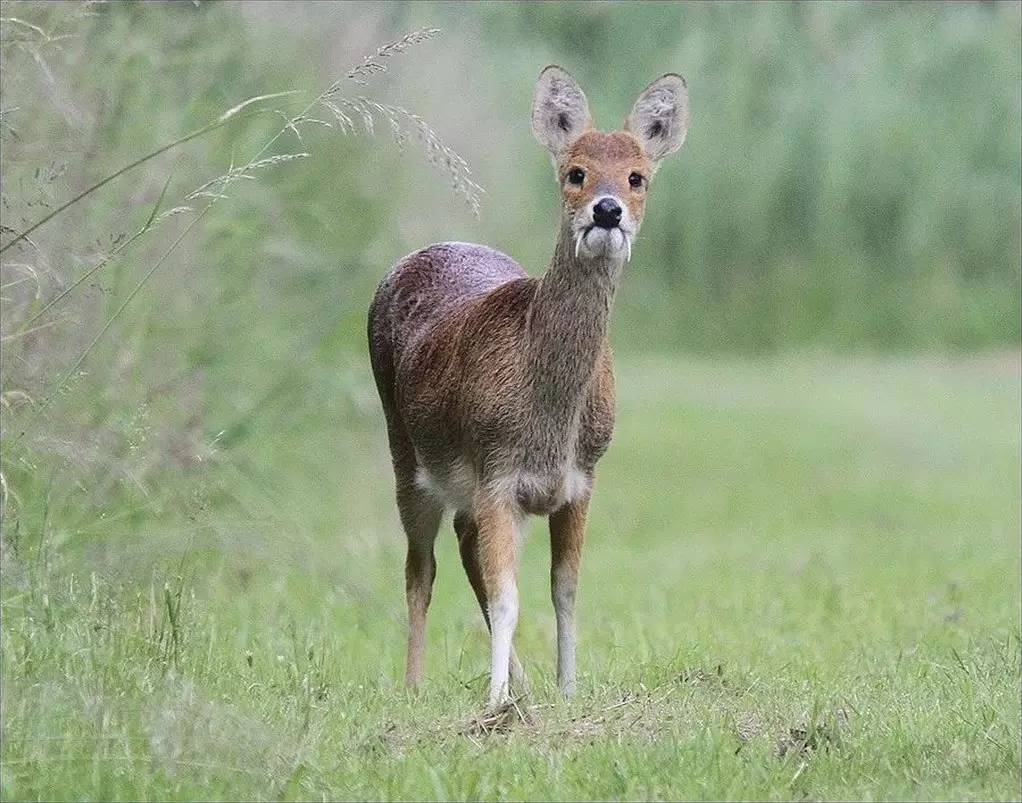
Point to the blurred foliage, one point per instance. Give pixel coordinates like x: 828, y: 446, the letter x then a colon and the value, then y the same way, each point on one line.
x: 852, y: 176
x: 851, y: 181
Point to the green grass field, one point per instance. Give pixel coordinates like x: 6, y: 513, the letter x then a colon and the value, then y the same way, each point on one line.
x: 802, y: 578
x: 801, y: 582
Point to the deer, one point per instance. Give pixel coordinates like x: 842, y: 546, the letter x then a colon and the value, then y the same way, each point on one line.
x: 498, y: 388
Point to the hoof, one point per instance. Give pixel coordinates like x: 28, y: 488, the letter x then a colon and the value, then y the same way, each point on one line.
x: 500, y: 718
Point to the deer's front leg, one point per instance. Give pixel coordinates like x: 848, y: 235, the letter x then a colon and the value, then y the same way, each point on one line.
x: 567, y: 534
x: 498, y: 555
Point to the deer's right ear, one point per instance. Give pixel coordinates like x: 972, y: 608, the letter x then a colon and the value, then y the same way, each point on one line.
x: 560, y: 111
x: 660, y: 116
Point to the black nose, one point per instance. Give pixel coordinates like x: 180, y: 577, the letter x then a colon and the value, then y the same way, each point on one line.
x: 607, y: 213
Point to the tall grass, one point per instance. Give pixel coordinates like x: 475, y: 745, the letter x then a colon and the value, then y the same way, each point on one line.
x: 73, y: 422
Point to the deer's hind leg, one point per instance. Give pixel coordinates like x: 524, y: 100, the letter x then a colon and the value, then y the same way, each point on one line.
x: 420, y: 512
x: 420, y: 517
x: 468, y: 545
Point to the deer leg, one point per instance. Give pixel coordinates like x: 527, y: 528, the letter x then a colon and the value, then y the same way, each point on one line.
x: 468, y: 545
x: 567, y: 534
x: 498, y: 560
x: 420, y: 517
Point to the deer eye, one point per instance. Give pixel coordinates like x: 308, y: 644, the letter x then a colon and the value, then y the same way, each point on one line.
x: 576, y: 176
x: 635, y: 180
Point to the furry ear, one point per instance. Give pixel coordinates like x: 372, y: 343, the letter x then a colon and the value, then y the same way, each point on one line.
x: 659, y: 117
x: 560, y: 111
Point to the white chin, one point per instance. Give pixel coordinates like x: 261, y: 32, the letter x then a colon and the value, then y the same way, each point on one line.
x: 604, y: 242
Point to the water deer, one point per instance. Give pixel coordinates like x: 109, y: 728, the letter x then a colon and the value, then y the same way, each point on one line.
x: 498, y: 388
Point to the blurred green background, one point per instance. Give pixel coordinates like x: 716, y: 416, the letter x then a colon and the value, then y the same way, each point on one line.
x: 852, y: 177
x: 817, y: 341
x: 851, y: 182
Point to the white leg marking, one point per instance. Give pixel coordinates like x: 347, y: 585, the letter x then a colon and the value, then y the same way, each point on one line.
x: 503, y: 620
x: 565, y: 582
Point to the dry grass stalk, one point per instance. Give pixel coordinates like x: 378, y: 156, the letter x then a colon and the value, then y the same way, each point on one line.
x: 404, y: 126
x: 371, y: 65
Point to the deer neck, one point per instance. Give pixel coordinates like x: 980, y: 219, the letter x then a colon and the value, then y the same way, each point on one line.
x: 567, y: 328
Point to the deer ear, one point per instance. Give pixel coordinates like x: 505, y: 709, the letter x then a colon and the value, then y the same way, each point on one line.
x: 560, y: 111
x: 659, y: 117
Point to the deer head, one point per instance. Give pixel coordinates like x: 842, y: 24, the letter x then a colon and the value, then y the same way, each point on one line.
x: 605, y: 177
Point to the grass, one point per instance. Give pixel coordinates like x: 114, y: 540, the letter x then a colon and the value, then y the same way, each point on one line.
x: 801, y: 581
x: 802, y: 577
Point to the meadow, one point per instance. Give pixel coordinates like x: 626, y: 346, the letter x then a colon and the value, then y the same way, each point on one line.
x: 801, y: 581
x: 802, y: 575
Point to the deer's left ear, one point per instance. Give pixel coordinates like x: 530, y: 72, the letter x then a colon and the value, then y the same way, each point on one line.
x: 560, y: 111
x: 659, y: 117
